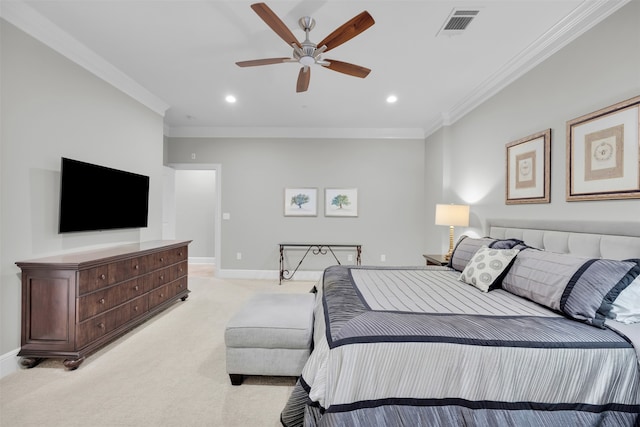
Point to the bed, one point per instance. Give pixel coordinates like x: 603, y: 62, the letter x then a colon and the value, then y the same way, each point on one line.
x: 547, y: 337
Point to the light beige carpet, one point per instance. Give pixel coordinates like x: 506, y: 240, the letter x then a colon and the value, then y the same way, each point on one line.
x: 170, y: 371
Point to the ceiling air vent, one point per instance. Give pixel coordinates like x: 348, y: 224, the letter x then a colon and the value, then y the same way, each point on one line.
x: 458, y: 21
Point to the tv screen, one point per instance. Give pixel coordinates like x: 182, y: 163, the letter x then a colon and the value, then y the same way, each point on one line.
x: 94, y: 197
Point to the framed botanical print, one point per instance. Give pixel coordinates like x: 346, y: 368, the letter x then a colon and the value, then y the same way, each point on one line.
x: 529, y: 169
x: 300, y: 202
x: 341, y: 202
x: 603, y: 153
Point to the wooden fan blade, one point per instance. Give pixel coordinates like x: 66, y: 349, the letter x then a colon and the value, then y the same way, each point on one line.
x: 266, y: 61
x: 347, y: 31
x: 303, y: 79
x: 346, y: 68
x: 275, y: 23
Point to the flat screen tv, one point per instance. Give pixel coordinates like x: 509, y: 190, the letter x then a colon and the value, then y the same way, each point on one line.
x: 94, y: 197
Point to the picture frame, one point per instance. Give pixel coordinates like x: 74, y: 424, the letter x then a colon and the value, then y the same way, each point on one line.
x: 300, y: 201
x: 528, y: 174
x: 603, y: 153
x: 341, y: 202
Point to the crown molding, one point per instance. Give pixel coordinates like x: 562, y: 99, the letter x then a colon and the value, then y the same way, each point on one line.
x: 296, y: 133
x: 37, y: 26
x: 584, y: 17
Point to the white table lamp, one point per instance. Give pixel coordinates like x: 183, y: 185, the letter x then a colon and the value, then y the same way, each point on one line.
x: 452, y: 215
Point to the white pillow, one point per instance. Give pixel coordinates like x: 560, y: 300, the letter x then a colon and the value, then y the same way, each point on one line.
x: 626, y: 308
x: 486, y: 267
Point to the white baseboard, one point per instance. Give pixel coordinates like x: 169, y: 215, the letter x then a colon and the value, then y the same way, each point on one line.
x: 266, y: 274
x: 9, y: 363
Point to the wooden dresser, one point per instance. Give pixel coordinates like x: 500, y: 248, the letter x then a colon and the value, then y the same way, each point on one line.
x: 72, y: 304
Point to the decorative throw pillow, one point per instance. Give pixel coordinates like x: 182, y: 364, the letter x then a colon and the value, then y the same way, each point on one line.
x: 582, y: 288
x: 465, y: 249
x: 542, y: 276
x: 487, y: 267
x: 589, y: 295
x: 468, y: 246
x: 626, y: 308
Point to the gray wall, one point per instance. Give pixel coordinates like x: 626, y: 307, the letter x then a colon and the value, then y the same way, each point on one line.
x: 195, y: 205
x: 51, y: 108
x: 389, y: 176
x: 599, y: 69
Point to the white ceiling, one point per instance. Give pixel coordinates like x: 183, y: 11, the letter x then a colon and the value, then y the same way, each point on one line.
x: 179, y: 56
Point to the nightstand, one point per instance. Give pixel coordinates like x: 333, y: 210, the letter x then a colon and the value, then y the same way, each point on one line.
x: 435, y: 260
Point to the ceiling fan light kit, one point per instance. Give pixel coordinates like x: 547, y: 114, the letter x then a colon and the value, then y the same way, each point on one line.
x: 308, y: 53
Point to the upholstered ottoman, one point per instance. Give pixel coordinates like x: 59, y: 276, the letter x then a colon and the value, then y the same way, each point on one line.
x: 270, y: 335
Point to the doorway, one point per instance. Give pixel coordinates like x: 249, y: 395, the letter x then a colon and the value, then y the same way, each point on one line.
x: 191, y: 210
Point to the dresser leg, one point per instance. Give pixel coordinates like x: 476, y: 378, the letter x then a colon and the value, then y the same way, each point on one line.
x: 30, y: 362
x: 73, y: 364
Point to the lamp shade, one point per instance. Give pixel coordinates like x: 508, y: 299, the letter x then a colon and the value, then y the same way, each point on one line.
x: 452, y: 215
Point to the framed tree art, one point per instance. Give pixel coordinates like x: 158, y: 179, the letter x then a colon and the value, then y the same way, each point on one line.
x: 603, y: 153
x: 300, y: 202
x: 341, y: 202
x: 529, y: 169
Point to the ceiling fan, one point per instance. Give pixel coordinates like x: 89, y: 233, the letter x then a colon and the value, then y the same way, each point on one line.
x: 308, y: 53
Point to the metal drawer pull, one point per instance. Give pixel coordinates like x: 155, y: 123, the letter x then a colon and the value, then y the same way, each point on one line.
x: 162, y: 277
x: 101, y: 301
x: 135, y: 288
x: 135, y: 308
x: 102, y: 276
x: 101, y: 325
x: 135, y: 266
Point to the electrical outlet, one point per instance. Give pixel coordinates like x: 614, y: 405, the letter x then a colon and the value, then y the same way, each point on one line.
x: 383, y: 257
x: 193, y: 156
x: 350, y: 257
x: 239, y: 256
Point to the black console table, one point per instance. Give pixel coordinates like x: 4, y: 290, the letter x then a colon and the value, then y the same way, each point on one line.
x: 316, y: 249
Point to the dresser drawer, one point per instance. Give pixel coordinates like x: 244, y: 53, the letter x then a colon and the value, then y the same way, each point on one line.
x: 178, y: 270
x: 158, y: 296
x: 131, y: 310
x: 160, y: 277
x: 122, y: 270
x: 92, y: 329
x: 138, y: 306
x: 93, y: 279
x: 100, y: 301
x: 177, y: 286
x: 159, y: 260
x: 177, y: 255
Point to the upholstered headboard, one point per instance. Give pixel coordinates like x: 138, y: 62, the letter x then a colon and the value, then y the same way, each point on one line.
x: 595, y: 239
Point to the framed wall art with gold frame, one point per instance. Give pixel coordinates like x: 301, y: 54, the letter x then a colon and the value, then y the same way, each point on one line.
x: 603, y: 153
x: 529, y: 169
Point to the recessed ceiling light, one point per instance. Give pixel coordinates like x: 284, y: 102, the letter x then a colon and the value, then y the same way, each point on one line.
x: 391, y: 99
x: 230, y: 99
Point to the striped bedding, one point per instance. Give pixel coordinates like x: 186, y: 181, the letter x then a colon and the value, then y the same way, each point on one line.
x: 416, y: 347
